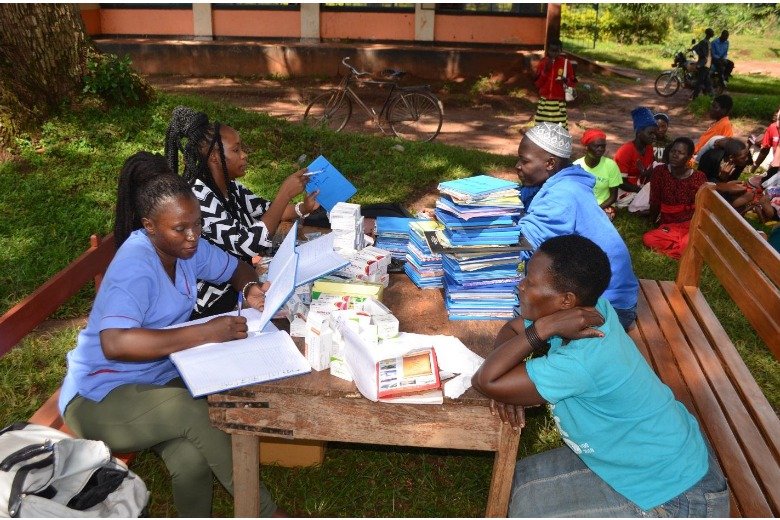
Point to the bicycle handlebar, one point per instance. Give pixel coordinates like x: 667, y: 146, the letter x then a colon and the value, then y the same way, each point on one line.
x: 353, y: 69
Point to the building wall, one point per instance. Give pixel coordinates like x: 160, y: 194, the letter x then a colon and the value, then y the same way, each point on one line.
x: 256, y: 23
x: 333, y: 25
x: 489, y: 29
x: 153, y: 22
x: 366, y: 26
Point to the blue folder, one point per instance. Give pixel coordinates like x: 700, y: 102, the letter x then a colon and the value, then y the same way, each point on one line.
x: 333, y: 186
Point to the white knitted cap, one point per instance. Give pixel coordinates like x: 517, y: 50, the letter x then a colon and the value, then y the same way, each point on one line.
x: 552, y: 138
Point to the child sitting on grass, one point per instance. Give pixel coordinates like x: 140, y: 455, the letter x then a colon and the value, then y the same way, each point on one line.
x: 234, y: 218
x: 632, y: 450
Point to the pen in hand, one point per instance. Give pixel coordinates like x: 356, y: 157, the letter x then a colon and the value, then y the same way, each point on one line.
x: 315, y: 172
x: 240, y: 302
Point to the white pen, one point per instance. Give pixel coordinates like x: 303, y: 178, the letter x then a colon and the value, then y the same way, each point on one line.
x: 315, y: 172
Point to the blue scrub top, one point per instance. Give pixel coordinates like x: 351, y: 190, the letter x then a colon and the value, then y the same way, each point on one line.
x: 137, y: 292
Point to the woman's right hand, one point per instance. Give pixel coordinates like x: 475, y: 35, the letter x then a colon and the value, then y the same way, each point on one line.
x: 574, y: 323
x: 226, y: 328
x: 294, y: 184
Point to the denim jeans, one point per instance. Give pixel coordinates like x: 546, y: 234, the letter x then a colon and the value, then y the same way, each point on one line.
x: 557, y: 483
x: 627, y: 317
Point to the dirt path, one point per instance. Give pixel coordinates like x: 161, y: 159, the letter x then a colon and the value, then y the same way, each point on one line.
x: 485, y: 122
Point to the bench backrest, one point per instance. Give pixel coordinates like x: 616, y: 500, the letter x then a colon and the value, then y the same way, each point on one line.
x: 21, y: 319
x: 744, y: 263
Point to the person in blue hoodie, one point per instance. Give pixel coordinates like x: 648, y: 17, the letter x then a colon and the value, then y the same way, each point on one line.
x: 631, y: 449
x: 565, y: 205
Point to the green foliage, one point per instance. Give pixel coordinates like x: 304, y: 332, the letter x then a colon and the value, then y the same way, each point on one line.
x: 113, y: 79
x: 758, y: 107
x: 623, y: 23
x: 655, y: 23
x: 485, y: 85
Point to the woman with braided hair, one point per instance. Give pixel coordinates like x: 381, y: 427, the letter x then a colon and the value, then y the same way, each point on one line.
x: 234, y: 218
x: 121, y: 386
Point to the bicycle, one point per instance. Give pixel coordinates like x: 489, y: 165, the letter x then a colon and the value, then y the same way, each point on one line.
x: 684, y: 75
x: 413, y: 113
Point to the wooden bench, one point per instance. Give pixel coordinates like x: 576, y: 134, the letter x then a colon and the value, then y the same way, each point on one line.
x: 25, y: 316
x: 691, y: 352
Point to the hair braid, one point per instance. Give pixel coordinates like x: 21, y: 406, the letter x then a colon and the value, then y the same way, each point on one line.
x: 201, y: 139
x: 136, y: 172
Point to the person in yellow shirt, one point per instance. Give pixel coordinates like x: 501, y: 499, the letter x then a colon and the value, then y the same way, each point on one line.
x: 606, y: 171
x: 719, y: 112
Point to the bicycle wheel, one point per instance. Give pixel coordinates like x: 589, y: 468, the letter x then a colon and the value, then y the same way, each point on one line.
x: 330, y: 110
x: 667, y: 84
x: 415, y: 116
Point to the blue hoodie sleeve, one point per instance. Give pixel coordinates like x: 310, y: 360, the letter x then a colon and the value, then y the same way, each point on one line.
x: 552, y: 214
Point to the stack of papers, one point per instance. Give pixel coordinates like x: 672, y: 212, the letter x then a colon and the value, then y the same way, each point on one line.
x: 423, y: 266
x: 392, y: 234
x: 480, y: 246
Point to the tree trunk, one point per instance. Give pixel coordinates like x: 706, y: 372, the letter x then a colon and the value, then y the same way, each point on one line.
x: 43, y: 50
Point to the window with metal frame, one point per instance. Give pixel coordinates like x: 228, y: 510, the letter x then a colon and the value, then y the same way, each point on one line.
x: 508, y: 9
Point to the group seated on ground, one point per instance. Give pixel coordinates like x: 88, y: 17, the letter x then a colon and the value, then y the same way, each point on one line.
x: 717, y: 157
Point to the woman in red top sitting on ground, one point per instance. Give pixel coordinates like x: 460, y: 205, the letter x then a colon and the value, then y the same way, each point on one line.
x: 635, y: 159
x: 553, y: 73
x: 672, y: 196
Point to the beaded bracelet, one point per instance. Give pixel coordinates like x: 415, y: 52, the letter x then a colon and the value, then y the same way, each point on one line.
x: 248, y: 284
x: 299, y: 212
x: 534, y: 340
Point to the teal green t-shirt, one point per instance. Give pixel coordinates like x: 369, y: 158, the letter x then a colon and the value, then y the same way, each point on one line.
x: 618, y: 417
x: 607, y: 175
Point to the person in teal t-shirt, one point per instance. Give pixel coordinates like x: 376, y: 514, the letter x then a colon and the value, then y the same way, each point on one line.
x: 606, y: 171
x: 631, y: 449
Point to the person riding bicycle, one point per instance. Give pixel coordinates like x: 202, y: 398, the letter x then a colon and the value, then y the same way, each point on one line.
x: 702, y: 50
x: 720, y: 61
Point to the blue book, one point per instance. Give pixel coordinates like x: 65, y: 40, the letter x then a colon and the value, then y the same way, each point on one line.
x: 478, y: 185
x: 333, y: 186
x: 396, y: 225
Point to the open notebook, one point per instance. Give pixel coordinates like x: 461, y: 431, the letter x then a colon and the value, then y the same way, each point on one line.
x: 266, y: 355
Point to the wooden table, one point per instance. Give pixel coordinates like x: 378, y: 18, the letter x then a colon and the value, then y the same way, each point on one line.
x: 322, y: 407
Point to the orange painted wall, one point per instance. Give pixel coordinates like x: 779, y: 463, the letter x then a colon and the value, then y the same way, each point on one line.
x: 489, y: 29
x: 91, y: 19
x: 367, y: 26
x: 272, y: 24
x: 146, y: 21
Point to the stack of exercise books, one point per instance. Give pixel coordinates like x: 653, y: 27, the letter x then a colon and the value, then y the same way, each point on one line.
x: 423, y: 266
x: 480, y: 246
x: 392, y: 234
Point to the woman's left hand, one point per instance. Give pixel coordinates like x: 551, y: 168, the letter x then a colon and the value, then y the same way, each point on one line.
x: 514, y: 414
x: 255, y: 295
x: 310, y: 202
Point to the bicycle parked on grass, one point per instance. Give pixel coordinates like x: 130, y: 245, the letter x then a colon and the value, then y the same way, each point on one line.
x: 413, y: 113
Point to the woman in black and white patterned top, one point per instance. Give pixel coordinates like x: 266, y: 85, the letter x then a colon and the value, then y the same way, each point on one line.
x: 234, y: 218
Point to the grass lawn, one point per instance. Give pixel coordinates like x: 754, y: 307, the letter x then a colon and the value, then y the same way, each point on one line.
x: 63, y: 189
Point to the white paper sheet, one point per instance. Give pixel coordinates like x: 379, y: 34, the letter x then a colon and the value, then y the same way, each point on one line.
x: 215, y: 367
x: 316, y: 259
x: 282, y: 287
x: 285, y: 251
